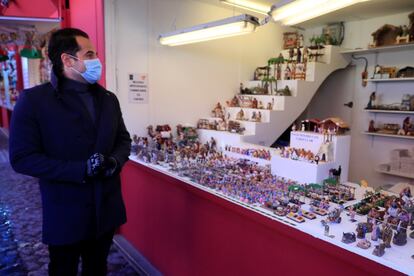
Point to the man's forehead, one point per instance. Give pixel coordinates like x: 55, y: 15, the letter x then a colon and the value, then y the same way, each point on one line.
x: 85, y: 44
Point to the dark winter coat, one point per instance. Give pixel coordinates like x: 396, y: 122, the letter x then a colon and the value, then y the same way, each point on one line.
x: 51, y: 137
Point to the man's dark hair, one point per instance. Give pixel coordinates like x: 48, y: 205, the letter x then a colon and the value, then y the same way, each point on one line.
x: 63, y: 41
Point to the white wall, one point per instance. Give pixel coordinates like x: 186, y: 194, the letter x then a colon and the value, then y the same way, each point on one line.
x: 185, y: 81
x: 344, y: 86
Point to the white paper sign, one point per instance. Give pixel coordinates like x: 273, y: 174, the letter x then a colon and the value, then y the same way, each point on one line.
x: 138, y: 88
x: 306, y: 140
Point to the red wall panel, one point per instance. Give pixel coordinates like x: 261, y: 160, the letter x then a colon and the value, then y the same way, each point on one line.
x: 183, y: 231
x: 29, y: 8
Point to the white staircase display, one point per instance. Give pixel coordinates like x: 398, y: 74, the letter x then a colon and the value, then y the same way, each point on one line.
x: 286, y: 109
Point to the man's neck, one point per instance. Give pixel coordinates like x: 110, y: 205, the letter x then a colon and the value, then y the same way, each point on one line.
x: 74, y: 77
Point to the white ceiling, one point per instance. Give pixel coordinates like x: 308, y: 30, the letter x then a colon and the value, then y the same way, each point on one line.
x: 365, y: 10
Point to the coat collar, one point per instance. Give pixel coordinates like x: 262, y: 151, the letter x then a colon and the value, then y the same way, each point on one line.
x: 57, y: 83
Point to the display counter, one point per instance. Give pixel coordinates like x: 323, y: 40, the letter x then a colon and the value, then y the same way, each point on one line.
x: 184, y: 228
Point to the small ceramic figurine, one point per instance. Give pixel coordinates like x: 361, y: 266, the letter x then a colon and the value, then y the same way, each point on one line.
x: 375, y: 231
x: 254, y: 103
x: 407, y: 125
x: 379, y: 250
x: 372, y: 101
x: 298, y: 55
x: 218, y: 111
x: 269, y: 106
x: 361, y: 230
x: 387, y: 235
x: 134, y: 145
x: 259, y: 117
x: 393, y: 210
x: 234, y: 102
x: 288, y: 73
x: 352, y: 214
x: 254, y: 116
x: 348, y: 237
x: 400, y: 237
x: 371, y: 127
x: 240, y: 115
x: 364, y: 244
x: 326, y: 227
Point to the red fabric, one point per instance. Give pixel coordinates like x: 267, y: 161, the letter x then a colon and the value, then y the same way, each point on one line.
x: 182, y: 230
x: 5, y: 117
x: 30, y: 8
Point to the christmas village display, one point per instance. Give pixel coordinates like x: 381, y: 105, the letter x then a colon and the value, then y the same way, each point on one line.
x: 380, y: 220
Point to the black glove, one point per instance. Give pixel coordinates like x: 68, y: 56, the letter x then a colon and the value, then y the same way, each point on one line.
x: 95, y: 165
x: 110, y: 166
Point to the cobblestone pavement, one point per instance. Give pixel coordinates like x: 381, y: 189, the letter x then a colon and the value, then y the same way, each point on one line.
x: 21, y: 249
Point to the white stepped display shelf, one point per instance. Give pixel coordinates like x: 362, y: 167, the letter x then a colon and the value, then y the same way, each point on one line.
x: 388, y: 135
x: 250, y: 109
x: 278, y: 101
x: 391, y: 80
x: 392, y: 48
x: 395, y: 173
x: 248, y: 113
x: 286, y: 109
x: 389, y: 111
x: 292, y: 84
x: 249, y: 122
x: 260, y: 161
x: 225, y: 133
x: 276, y: 97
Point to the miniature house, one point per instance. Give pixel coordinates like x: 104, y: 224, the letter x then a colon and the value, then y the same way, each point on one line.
x: 310, y: 124
x: 334, y: 125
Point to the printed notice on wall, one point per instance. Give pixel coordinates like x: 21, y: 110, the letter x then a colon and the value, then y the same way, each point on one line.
x: 138, y: 88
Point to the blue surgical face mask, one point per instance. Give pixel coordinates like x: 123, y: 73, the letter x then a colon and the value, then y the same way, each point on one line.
x: 93, y: 70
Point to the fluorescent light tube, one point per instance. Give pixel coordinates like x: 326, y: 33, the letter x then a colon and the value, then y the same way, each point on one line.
x: 233, y: 26
x: 254, y: 6
x: 302, y: 10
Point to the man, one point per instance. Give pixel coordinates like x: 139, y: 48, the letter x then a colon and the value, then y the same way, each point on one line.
x: 70, y: 134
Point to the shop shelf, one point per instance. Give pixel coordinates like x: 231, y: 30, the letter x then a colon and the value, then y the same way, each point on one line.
x: 396, y: 173
x: 392, y: 48
x: 391, y: 80
x: 389, y: 111
x: 388, y: 135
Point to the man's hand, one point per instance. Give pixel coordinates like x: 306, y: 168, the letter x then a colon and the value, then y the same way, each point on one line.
x: 111, y: 166
x: 95, y: 165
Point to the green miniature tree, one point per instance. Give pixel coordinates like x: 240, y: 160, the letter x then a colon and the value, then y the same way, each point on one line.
x: 278, y: 61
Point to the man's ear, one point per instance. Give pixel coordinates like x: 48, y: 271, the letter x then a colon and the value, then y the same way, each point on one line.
x: 67, y: 60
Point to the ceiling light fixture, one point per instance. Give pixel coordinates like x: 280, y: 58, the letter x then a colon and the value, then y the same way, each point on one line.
x: 233, y: 26
x: 295, y: 12
x: 254, y: 6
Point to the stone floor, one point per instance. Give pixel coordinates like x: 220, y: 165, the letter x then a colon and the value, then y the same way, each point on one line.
x: 21, y: 249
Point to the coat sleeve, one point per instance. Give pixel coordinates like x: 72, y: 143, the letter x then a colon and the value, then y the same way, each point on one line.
x: 26, y: 150
x: 122, y: 148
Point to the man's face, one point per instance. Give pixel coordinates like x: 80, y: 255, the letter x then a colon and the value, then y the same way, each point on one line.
x: 86, y: 51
